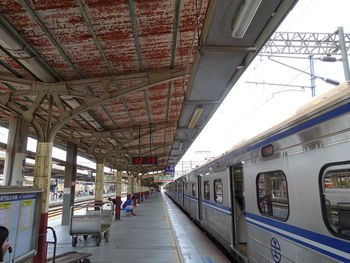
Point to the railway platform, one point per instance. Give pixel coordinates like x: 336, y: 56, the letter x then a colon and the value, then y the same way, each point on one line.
x: 160, y: 232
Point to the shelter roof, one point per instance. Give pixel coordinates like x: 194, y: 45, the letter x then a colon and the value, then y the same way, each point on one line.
x: 124, y: 78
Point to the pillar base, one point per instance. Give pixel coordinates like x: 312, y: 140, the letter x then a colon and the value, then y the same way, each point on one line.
x: 40, y: 256
x: 134, y: 201
x: 118, y: 203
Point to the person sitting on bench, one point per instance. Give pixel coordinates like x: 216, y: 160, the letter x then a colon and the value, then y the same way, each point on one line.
x: 128, y: 205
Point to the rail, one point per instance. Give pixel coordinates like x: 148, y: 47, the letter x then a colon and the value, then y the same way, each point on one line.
x: 56, y: 209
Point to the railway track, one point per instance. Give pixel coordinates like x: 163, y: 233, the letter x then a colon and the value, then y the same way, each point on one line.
x: 56, y: 209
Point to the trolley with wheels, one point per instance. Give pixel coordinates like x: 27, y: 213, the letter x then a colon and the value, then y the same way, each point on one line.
x: 68, y: 257
x: 94, y: 221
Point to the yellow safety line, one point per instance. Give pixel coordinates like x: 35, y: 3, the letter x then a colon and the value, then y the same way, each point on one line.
x: 176, y: 253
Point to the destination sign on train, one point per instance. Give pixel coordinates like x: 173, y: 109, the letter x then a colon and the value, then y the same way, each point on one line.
x: 144, y: 160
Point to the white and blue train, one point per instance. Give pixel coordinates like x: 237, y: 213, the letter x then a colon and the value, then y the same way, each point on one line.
x: 283, y: 196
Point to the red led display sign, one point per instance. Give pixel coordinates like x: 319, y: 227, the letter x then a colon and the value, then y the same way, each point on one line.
x: 144, y: 160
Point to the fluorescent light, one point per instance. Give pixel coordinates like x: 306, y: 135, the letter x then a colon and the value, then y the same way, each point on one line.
x: 195, y: 116
x: 245, y: 17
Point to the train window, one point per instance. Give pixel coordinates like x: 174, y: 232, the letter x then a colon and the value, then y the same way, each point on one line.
x: 193, y: 189
x: 218, y: 196
x: 336, y: 199
x: 206, y: 190
x: 272, y: 193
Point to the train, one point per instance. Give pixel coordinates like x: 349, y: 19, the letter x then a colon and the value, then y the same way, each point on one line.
x: 282, y: 196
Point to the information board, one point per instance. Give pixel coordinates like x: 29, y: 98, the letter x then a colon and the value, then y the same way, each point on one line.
x: 17, y: 214
x: 163, y: 178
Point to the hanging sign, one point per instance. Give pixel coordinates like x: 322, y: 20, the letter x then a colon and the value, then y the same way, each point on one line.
x: 163, y: 178
x: 144, y: 160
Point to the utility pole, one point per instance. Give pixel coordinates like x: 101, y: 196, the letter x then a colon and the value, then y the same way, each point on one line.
x: 344, y: 53
x: 312, y: 76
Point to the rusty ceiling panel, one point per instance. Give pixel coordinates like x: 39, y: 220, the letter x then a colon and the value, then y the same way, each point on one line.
x: 96, y: 38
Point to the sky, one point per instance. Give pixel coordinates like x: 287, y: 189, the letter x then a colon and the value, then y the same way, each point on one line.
x: 250, y: 109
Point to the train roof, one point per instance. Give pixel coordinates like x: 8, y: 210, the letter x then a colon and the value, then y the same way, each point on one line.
x: 326, y: 100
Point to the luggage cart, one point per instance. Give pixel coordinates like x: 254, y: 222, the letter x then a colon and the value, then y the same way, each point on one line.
x: 95, y: 221
x: 68, y: 257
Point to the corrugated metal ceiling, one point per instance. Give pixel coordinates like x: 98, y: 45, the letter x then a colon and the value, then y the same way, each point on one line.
x: 118, y: 72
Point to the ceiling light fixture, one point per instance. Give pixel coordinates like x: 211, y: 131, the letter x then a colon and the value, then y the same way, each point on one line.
x: 195, y: 116
x: 245, y: 16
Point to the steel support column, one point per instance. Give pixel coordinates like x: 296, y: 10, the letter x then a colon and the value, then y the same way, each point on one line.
x: 69, y: 181
x: 16, y: 150
x: 42, y: 178
x: 139, y: 191
x: 134, y: 180
x: 312, y: 76
x: 99, y: 182
x: 128, y: 195
x: 344, y: 54
x: 118, y: 193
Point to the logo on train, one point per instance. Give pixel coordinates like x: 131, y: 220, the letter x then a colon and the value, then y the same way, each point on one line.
x: 275, y: 250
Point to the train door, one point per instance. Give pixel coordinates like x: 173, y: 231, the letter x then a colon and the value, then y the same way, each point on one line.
x: 199, y: 194
x: 239, y: 227
x: 183, y: 192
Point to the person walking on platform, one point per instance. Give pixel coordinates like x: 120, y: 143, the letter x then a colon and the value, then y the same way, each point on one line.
x: 128, y: 205
x: 5, y: 246
x: 113, y: 200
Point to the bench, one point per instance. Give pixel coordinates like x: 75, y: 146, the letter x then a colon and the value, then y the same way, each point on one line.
x: 126, y: 211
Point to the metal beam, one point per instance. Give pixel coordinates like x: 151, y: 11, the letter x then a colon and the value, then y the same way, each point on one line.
x: 13, y: 71
x: 54, y: 42
x: 135, y: 34
x: 170, y: 88
x: 19, y: 63
x: 120, y: 130
x: 28, y: 8
x: 153, y: 80
x: 145, y: 76
x: 127, y: 110
x: 127, y: 149
x: 202, y: 102
x: 175, y: 32
x: 305, y: 43
x: 155, y: 129
x: 81, y: 5
x: 26, y: 46
x: 208, y: 49
x: 145, y: 95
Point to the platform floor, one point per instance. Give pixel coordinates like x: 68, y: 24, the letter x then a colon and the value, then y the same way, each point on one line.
x: 159, y: 233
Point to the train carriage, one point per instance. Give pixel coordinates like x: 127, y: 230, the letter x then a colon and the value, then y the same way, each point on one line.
x: 283, y: 196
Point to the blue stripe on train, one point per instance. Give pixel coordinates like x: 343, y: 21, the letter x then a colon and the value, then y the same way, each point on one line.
x: 303, y: 243
x: 325, y: 240
x: 324, y: 117
x: 227, y: 210
x: 212, y: 205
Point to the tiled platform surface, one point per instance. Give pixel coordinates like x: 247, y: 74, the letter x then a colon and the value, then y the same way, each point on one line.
x: 159, y: 233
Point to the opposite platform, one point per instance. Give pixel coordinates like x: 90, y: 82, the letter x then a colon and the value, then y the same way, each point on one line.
x: 159, y: 233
